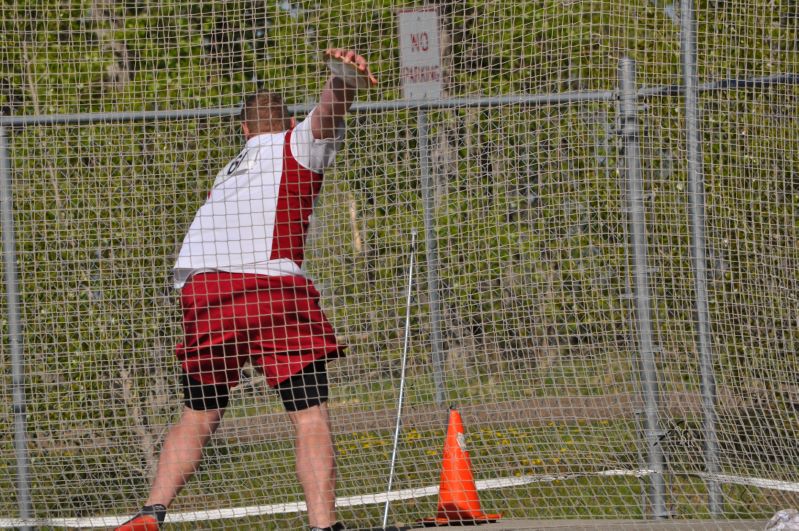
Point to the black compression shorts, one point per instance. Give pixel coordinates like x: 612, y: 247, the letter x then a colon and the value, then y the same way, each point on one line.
x: 307, y: 389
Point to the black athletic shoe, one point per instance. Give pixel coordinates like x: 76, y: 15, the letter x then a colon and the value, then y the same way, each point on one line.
x: 149, y: 518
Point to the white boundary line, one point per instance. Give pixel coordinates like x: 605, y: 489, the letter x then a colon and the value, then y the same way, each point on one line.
x: 774, y: 484
x: 369, y: 499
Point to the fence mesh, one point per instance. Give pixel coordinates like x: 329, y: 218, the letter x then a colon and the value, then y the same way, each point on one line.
x: 534, y: 273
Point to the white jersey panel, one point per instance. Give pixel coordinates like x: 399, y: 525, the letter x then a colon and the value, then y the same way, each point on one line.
x: 316, y: 155
x: 233, y: 230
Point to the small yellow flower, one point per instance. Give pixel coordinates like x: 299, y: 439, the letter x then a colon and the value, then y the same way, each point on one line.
x: 413, y: 435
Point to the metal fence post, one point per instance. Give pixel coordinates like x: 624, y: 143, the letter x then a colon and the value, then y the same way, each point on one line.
x: 696, y: 198
x: 14, y: 332
x: 431, y: 254
x: 637, y: 223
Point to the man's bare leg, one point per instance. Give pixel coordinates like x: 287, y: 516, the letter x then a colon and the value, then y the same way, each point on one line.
x: 182, y: 453
x: 316, y: 467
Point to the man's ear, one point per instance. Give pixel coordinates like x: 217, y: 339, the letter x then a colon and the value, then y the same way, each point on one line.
x: 246, y: 129
x: 293, y: 122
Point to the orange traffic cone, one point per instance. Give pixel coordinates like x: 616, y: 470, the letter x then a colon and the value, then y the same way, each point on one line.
x: 458, y: 502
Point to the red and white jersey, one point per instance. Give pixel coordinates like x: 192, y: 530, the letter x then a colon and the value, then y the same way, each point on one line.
x: 257, y: 213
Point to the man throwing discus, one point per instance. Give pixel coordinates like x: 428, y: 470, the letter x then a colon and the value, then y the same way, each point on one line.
x: 245, y: 298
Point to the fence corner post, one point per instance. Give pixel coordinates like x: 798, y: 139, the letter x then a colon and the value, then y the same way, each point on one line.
x: 637, y: 227
x: 14, y: 332
x: 696, y: 201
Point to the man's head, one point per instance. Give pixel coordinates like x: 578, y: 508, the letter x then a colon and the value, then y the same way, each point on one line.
x: 264, y: 112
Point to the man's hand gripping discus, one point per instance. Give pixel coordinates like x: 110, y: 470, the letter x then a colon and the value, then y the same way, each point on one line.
x: 350, y: 68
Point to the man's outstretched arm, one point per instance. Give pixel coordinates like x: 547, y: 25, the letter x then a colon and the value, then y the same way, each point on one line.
x: 337, y: 96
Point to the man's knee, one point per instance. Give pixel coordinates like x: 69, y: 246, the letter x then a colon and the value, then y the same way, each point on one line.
x: 311, y: 417
x: 202, y: 421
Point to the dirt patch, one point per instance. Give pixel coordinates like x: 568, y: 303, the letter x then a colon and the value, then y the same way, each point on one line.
x: 529, y: 411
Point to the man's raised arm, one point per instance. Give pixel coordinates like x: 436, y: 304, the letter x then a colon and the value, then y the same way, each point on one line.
x: 338, y: 93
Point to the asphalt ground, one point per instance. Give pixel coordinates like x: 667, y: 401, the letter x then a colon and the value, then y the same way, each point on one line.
x: 608, y: 525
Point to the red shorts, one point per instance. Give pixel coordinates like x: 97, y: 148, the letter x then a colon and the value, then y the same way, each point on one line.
x: 275, y: 323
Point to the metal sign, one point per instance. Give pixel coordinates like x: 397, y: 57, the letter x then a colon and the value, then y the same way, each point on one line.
x: 420, y: 54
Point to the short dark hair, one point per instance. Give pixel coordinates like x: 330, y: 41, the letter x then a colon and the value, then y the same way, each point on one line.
x: 265, y: 112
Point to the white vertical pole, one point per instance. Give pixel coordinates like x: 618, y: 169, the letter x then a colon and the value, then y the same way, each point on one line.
x: 402, y: 375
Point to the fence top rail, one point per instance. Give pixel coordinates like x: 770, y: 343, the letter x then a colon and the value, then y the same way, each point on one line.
x: 724, y: 84
x: 378, y: 106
